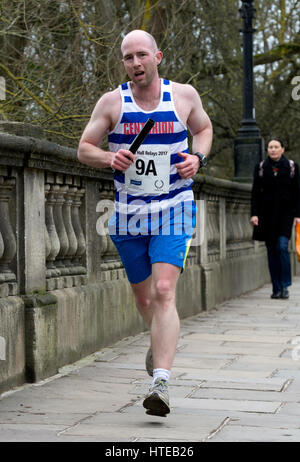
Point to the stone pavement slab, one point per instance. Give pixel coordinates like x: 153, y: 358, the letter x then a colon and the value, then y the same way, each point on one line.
x: 236, y: 377
x: 234, y: 433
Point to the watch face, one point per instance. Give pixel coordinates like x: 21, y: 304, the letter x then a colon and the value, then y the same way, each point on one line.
x: 202, y: 158
x: 204, y: 161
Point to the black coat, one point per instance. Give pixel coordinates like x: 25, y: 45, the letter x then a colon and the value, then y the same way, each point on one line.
x: 275, y: 199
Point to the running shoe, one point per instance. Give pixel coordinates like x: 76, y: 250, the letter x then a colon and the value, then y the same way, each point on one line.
x: 156, y: 401
x: 149, y: 362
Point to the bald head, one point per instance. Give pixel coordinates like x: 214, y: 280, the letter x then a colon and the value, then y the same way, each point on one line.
x: 137, y: 36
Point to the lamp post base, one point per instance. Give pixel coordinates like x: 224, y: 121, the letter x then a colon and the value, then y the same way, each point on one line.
x: 248, y: 151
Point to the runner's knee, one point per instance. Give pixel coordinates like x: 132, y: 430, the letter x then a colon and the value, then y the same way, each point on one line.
x: 144, y: 303
x: 163, y: 290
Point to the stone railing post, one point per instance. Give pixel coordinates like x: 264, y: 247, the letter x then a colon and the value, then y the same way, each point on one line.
x: 34, y: 231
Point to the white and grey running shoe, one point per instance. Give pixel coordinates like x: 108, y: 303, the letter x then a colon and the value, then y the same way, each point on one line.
x: 156, y: 401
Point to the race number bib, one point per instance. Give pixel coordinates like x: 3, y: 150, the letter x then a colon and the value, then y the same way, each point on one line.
x: 150, y: 173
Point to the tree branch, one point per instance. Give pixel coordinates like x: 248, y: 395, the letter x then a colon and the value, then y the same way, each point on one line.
x: 286, y: 50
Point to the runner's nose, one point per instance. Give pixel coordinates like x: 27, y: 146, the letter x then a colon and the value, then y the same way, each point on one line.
x: 136, y: 61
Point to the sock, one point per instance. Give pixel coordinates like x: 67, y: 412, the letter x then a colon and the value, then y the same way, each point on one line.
x: 161, y: 373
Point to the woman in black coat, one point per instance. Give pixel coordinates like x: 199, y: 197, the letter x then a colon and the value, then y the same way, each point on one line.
x: 275, y: 206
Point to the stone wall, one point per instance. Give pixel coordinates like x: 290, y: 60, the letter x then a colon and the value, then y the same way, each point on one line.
x: 63, y: 290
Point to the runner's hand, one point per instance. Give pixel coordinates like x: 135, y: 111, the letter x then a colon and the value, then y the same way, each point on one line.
x: 189, y: 167
x: 122, y: 160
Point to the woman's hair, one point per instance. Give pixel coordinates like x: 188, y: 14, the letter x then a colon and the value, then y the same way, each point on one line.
x: 275, y: 138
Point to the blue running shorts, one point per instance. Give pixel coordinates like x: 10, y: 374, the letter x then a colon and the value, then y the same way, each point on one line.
x: 138, y: 252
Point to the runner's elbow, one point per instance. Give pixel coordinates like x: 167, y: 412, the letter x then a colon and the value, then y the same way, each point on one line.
x: 81, y: 152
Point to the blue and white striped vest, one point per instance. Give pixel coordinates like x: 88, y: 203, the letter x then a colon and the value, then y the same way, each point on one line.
x: 168, y: 130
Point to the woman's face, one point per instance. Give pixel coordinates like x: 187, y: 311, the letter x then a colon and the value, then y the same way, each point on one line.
x: 275, y: 150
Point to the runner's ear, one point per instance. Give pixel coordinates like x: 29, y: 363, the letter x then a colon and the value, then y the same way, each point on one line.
x: 158, y: 57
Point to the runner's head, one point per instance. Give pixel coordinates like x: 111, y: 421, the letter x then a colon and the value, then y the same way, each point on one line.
x: 137, y: 35
x: 141, y: 57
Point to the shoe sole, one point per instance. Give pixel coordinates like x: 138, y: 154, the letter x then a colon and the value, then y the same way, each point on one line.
x: 156, y: 406
x: 158, y: 414
x: 280, y: 297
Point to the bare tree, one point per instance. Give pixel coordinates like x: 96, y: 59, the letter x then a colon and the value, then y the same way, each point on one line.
x: 58, y: 57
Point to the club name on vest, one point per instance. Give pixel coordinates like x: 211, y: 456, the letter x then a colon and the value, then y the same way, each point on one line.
x: 133, y: 128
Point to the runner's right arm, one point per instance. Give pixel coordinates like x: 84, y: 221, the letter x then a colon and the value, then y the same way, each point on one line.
x: 102, y: 120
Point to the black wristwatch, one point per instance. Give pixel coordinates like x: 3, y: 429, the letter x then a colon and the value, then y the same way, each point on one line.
x: 202, y: 158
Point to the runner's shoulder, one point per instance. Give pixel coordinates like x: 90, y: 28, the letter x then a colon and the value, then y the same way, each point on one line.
x: 109, y: 105
x: 184, y: 90
x: 110, y: 97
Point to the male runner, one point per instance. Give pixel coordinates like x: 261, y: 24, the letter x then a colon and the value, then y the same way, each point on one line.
x: 154, y: 207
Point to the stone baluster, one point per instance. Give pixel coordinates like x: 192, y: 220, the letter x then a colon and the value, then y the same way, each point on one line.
x: 9, y: 246
x: 51, y: 232
x: 239, y: 222
x: 67, y: 217
x: 213, y: 228
x: 1, y: 246
x: 78, y: 195
x: 106, y: 205
x: 240, y: 219
x: 111, y: 250
x: 209, y: 224
x: 222, y: 227
x: 229, y: 222
x: 47, y: 246
x: 59, y: 194
x: 216, y: 225
x: 101, y: 229
x: 2, y: 277
x: 234, y: 229
x: 235, y: 222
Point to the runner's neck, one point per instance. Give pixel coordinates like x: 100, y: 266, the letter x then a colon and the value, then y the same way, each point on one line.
x: 147, y: 98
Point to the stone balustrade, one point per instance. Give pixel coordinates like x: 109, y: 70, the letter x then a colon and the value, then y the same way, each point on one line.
x: 65, y: 246
x: 63, y: 289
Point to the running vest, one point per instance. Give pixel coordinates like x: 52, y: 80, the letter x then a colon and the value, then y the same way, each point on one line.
x: 153, y: 179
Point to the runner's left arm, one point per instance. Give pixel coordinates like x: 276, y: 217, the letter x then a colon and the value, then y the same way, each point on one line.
x: 200, y: 127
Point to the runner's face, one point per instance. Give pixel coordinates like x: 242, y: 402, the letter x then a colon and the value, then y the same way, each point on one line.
x: 140, y: 61
x: 275, y: 150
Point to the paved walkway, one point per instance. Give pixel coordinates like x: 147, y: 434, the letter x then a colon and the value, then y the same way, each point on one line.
x: 236, y: 377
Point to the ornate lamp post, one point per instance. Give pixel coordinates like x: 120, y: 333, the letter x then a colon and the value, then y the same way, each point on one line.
x: 248, y: 145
